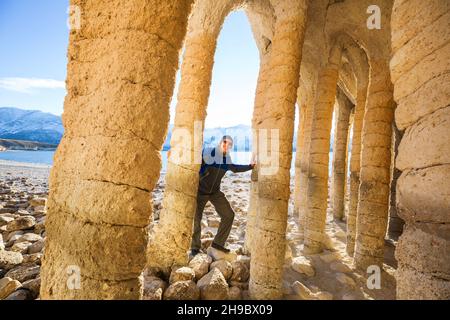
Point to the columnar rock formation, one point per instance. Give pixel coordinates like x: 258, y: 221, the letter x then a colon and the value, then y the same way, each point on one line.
x: 341, y: 132
x: 313, y: 53
x: 108, y: 161
x: 420, y: 73
x: 273, y: 183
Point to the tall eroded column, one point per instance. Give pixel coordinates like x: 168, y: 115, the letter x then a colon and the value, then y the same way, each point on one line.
x: 274, y: 178
x: 373, y: 206
x: 257, y: 115
x: 116, y: 115
x: 420, y: 73
x: 319, y: 149
x: 298, y: 158
x: 171, y: 238
x: 355, y: 166
x: 341, y: 131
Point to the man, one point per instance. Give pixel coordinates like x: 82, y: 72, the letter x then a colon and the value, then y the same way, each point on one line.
x: 215, y: 163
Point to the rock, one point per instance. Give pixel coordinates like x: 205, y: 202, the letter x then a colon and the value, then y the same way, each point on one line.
x: 24, y: 272
x: 303, y: 265
x: 286, y: 288
x: 21, y: 294
x: 182, y: 290
x: 2, y: 244
x: 38, y: 201
x: 302, y: 291
x: 213, y: 222
x: 21, y: 247
x: 213, y: 286
x: 340, y: 267
x: 244, y: 259
x: 224, y: 266
x: 182, y: 274
x: 39, y: 227
x: 33, y: 285
x: 32, y: 258
x: 8, y: 286
x: 241, y: 272
x: 345, y: 280
x: 349, y: 296
x: 10, y: 259
x: 240, y: 285
x: 154, y: 288
x: 288, y: 253
x: 245, y: 295
x: 13, y: 236
x: 30, y: 237
x: 4, y: 220
x: 329, y: 257
x: 21, y: 223
x: 36, y: 247
x: 220, y: 255
x: 200, y: 264
x: 234, y: 293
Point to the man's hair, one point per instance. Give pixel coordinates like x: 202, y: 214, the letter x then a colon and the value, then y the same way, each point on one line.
x: 226, y: 137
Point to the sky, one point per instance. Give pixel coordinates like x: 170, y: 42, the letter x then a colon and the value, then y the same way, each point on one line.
x: 33, y: 46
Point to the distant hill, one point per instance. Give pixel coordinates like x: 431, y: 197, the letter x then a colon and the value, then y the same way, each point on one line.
x: 30, y: 125
x: 25, y: 145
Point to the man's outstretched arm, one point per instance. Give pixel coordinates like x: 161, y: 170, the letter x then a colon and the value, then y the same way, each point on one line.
x: 241, y: 168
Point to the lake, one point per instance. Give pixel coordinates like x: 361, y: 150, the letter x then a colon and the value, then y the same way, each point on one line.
x: 46, y: 157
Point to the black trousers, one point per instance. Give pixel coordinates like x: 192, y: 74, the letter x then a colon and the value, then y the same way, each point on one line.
x: 226, y: 213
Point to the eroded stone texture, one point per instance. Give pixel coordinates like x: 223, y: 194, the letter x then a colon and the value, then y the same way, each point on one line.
x: 115, y: 118
x: 279, y: 111
x: 419, y: 67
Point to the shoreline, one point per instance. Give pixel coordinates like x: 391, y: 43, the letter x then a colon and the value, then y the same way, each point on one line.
x: 10, y: 163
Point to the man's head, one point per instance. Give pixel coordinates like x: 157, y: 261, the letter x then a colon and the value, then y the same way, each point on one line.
x: 225, y: 144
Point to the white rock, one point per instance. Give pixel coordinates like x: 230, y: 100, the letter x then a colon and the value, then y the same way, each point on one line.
x: 220, y: 255
x: 200, y: 264
x: 224, y: 267
x: 303, y: 265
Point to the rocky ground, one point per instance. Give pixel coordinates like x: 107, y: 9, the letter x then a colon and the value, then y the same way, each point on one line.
x: 210, y: 275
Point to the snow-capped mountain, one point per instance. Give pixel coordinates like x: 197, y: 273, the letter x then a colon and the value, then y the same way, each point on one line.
x: 30, y: 125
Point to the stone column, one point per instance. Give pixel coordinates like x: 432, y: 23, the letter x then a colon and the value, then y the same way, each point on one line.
x: 298, y: 158
x: 355, y: 166
x: 261, y: 88
x: 121, y: 75
x: 279, y: 111
x: 171, y: 238
x: 420, y: 68
x: 319, y: 149
x: 395, y: 225
x: 373, y: 206
x: 341, y: 131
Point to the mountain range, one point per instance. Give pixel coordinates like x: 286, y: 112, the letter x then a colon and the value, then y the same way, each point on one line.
x: 30, y: 125
x: 38, y: 126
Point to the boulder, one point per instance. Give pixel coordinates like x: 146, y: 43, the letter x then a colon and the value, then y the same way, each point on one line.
x: 21, y: 247
x: 10, y: 259
x: 345, y: 280
x: 220, y: 255
x: 33, y: 286
x: 29, y: 237
x: 21, y: 223
x: 340, y: 267
x: 241, y: 272
x: 181, y: 274
x: 154, y: 288
x: 24, y: 272
x: 38, y: 201
x: 20, y: 294
x: 224, y: 266
x: 182, y: 290
x: 8, y: 286
x: 302, y: 291
x: 200, y: 264
x: 303, y: 265
x: 36, y: 247
x: 234, y: 293
x: 213, y: 286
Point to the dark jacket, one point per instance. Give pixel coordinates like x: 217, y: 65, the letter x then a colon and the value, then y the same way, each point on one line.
x: 214, y: 166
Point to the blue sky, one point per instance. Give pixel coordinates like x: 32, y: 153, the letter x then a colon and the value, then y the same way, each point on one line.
x: 33, y: 45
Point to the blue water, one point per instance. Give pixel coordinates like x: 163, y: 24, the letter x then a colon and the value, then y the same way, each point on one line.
x: 46, y: 157
x: 41, y: 157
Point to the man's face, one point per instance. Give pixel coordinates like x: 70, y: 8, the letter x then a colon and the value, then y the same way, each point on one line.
x: 226, y: 145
